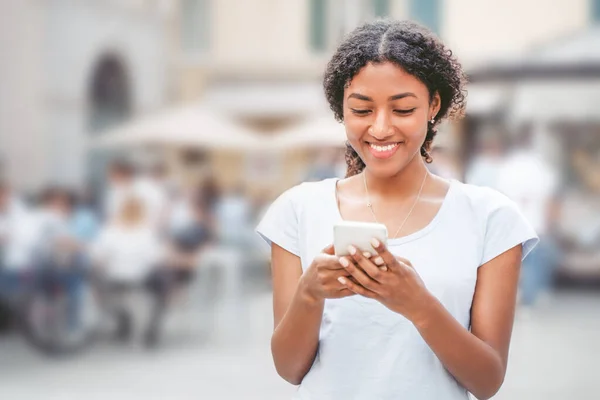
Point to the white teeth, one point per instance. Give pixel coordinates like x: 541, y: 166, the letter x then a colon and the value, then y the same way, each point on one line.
x: 383, y: 148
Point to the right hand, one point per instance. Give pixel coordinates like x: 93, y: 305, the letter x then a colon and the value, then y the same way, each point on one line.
x: 320, y: 281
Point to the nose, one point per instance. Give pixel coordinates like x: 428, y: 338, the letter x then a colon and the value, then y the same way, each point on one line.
x: 381, y: 127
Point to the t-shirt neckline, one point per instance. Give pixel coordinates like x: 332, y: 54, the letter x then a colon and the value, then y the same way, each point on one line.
x: 413, y: 236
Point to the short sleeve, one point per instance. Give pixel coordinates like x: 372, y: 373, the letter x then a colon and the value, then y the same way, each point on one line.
x: 505, y: 228
x: 280, y: 223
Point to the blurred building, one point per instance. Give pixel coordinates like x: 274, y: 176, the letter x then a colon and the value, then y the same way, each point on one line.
x: 261, y: 61
x: 70, y: 69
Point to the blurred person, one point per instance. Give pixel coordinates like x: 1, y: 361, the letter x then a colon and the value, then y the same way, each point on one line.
x: 17, y: 240
x: 324, y: 165
x: 125, y: 252
x: 577, y: 218
x: 233, y: 213
x: 85, y: 222
x: 340, y: 163
x: 178, y: 266
x: 365, y: 327
x: 180, y: 212
x: 211, y: 192
x: 483, y: 170
x: 121, y: 179
x: 59, y: 256
x: 444, y: 164
x: 532, y: 184
x: 154, y: 189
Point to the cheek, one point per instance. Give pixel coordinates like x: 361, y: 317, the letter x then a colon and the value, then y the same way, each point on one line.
x: 412, y: 128
x: 355, y: 128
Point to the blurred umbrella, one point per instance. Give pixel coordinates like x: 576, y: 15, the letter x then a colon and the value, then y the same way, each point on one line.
x: 188, y: 126
x: 319, y: 131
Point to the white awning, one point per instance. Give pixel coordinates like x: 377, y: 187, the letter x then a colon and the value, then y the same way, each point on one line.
x: 319, y: 131
x: 554, y: 101
x: 189, y: 126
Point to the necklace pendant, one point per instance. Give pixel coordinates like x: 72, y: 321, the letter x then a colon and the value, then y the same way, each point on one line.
x: 369, y: 205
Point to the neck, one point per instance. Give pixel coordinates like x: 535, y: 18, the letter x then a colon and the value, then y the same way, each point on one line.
x: 406, y: 183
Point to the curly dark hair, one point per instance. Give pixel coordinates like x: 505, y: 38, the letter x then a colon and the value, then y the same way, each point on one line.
x: 413, y: 48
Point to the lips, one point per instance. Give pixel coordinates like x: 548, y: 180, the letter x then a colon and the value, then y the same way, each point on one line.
x: 384, y: 150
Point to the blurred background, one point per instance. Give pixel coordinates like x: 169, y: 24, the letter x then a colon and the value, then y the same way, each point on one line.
x: 141, y: 141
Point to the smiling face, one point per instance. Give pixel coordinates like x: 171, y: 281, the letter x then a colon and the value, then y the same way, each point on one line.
x: 386, y: 111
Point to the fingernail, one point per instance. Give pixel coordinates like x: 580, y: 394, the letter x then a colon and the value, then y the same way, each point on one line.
x: 366, y: 254
x: 384, y: 268
x: 375, y: 243
x: 344, y: 262
x: 342, y: 280
x: 378, y: 261
x: 352, y: 250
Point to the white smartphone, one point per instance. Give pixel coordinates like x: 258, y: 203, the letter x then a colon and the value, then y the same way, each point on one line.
x: 357, y: 234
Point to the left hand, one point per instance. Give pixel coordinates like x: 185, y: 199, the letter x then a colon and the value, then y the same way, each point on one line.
x: 399, y: 288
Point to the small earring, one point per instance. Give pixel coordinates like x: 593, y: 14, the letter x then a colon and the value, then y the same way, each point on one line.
x: 432, y: 121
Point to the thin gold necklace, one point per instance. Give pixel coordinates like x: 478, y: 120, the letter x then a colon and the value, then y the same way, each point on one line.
x: 370, y: 205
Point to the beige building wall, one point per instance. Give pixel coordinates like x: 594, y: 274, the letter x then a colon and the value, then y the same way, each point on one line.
x: 270, y: 38
x: 21, y: 99
x: 261, y: 38
x: 481, y: 31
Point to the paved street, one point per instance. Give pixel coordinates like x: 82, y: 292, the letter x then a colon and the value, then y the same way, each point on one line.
x: 555, y: 355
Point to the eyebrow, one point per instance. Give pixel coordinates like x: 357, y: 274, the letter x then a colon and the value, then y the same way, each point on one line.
x: 391, y: 98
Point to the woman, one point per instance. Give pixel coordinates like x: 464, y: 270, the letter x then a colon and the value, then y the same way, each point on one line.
x: 127, y: 250
x: 430, y: 316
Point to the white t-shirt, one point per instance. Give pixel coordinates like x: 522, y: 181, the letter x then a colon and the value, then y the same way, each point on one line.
x: 127, y: 254
x: 19, y: 229
x: 365, y: 350
x: 530, y: 182
x: 154, y: 195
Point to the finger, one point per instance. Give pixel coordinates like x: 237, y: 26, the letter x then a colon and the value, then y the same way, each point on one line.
x: 361, y: 277
x: 344, y: 292
x: 379, y: 262
x: 368, y: 267
x: 387, y: 257
x: 358, y: 289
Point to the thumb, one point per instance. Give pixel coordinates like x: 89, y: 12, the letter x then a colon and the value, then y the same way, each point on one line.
x: 329, y: 250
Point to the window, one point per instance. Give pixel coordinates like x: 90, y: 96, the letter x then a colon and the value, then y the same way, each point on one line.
x: 330, y: 20
x: 381, y: 8
x: 426, y: 12
x: 595, y: 11
x: 195, y: 26
x: 318, y: 34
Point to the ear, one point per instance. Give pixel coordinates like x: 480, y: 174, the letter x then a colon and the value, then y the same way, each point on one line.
x: 434, y: 105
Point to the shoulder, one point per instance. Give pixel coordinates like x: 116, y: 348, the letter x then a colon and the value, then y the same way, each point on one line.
x: 305, y: 193
x: 482, y: 199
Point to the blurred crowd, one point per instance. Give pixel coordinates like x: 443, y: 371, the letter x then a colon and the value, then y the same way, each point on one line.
x: 137, y: 243
x: 560, y: 198
x: 134, y: 246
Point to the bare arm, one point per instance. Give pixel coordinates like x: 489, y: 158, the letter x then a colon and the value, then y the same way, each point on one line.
x: 297, y: 318
x: 478, y: 359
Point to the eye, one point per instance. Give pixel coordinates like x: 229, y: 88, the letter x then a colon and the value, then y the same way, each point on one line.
x: 405, y: 112
x: 360, y: 112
